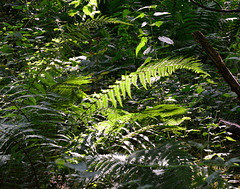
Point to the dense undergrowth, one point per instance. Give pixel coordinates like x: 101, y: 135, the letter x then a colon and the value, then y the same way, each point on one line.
x: 116, y: 94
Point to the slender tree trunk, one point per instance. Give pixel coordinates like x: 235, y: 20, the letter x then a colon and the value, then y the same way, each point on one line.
x: 217, y: 60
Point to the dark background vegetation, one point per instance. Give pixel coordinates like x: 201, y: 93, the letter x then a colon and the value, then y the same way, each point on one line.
x: 73, y: 116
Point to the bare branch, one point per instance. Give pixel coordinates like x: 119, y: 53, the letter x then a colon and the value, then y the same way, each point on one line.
x: 216, y: 10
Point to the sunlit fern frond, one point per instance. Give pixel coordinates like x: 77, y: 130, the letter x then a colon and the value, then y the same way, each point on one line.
x: 116, y: 118
x: 146, y: 75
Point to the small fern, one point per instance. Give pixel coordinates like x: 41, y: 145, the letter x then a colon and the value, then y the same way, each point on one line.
x: 101, y: 20
x: 71, y: 88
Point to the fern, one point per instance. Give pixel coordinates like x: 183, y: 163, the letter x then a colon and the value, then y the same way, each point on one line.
x: 79, y: 33
x: 146, y: 73
x: 32, y: 134
x: 166, y: 166
x: 123, y: 117
x: 71, y: 88
x: 101, y: 20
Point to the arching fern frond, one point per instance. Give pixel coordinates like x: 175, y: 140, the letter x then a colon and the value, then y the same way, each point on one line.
x: 146, y: 75
x: 116, y: 116
x: 101, y: 20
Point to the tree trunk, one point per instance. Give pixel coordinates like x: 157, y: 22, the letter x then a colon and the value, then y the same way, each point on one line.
x: 217, y: 60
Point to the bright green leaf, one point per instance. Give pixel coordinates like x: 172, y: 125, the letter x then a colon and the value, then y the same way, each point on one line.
x: 140, y: 16
x: 230, y: 138
x: 158, y: 23
x: 118, y: 95
x: 76, y: 3
x: 148, y: 77
x: 128, y: 86
x: 86, y: 10
x: 134, y: 80
x: 105, y: 100
x: 141, y: 44
x: 111, y: 96
x: 142, y: 79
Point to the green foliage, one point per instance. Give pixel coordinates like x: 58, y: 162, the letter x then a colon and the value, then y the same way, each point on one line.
x: 146, y: 74
x: 103, y: 94
x: 163, y: 167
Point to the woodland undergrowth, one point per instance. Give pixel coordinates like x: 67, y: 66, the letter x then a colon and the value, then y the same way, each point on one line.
x: 116, y: 94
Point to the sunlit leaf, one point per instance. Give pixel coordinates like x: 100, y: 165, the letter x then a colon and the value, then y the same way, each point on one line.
x: 148, y: 7
x: 105, y: 100
x: 166, y: 40
x: 118, y: 95
x: 141, y: 44
x: 128, y: 86
x: 148, y: 77
x: 76, y: 3
x: 158, y: 23
x: 134, y: 80
x: 112, y: 97
x: 160, y: 13
x: 142, y: 79
x: 123, y: 89
x: 230, y: 138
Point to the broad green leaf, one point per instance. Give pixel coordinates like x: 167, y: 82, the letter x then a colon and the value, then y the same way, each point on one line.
x: 78, y: 81
x: 141, y: 44
x: 158, y: 23
x: 125, y: 12
x: 165, y: 110
x: 140, y: 16
x: 72, y: 12
x: 76, y: 3
x: 230, y: 138
x: 86, y: 10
